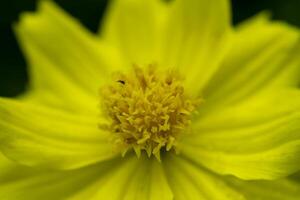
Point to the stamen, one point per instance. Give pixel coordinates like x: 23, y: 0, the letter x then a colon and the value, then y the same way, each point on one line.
x: 148, y: 110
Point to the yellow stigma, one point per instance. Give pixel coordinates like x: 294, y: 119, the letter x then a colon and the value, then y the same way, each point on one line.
x: 148, y: 110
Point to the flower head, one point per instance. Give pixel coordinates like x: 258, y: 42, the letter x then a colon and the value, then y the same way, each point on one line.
x: 169, y: 102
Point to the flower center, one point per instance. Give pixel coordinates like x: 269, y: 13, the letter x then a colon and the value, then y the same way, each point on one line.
x: 148, y: 110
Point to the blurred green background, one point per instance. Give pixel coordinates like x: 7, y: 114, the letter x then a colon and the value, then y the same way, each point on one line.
x: 13, y: 75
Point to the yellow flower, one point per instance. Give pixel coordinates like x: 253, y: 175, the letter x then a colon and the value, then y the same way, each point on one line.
x: 169, y: 102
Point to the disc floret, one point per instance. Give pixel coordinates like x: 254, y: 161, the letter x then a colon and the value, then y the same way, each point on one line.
x: 148, y: 110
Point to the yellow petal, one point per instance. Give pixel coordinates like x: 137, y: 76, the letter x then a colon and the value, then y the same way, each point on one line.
x: 271, y: 190
x: 196, y: 38
x: 21, y: 182
x: 134, y: 26
x: 67, y: 62
x: 189, y: 181
x: 39, y: 136
x: 141, y: 178
x: 256, y: 139
x: 264, y: 54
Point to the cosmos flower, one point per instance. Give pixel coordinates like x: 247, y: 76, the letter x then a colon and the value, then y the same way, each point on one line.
x: 169, y: 101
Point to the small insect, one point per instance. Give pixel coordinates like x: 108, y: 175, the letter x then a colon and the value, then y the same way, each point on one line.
x: 121, y: 81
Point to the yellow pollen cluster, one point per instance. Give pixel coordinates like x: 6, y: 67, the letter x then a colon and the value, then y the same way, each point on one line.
x: 148, y: 110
